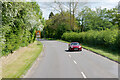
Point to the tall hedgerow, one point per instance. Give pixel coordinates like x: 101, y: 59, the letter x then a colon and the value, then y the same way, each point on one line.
x: 107, y: 38
x: 19, y: 23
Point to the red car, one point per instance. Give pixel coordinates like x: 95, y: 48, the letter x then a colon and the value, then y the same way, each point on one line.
x: 74, y: 46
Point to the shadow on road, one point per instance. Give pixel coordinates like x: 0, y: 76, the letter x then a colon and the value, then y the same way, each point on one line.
x: 71, y: 51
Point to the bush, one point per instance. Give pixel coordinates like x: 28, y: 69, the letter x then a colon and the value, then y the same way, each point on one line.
x: 18, y: 28
x: 106, y: 38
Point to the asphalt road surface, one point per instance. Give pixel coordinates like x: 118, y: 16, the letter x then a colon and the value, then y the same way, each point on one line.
x: 57, y: 62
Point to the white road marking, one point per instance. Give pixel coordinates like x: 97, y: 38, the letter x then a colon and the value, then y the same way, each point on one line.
x: 70, y: 56
x: 75, y: 62
x: 83, y: 75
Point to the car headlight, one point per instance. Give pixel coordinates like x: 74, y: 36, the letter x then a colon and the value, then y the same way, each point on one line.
x: 79, y: 46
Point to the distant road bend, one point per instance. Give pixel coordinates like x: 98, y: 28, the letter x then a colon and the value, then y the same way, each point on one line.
x: 57, y: 62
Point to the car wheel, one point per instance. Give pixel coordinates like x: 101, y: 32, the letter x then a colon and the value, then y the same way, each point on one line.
x: 69, y: 49
x: 81, y: 50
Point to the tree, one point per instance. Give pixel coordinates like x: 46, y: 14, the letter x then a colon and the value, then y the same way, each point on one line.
x: 95, y: 19
x: 19, y: 22
x: 62, y: 7
x: 51, y: 15
x: 57, y: 25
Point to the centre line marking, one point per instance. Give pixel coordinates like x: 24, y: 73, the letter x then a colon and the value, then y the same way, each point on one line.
x: 70, y: 56
x: 83, y: 75
x: 75, y: 62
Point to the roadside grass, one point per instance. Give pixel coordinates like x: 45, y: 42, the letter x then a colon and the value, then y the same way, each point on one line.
x: 113, y: 55
x: 18, y: 67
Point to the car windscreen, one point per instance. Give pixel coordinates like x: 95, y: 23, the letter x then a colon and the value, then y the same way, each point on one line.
x: 75, y: 44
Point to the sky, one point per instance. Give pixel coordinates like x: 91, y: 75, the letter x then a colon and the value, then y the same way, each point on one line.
x: 46, y: 4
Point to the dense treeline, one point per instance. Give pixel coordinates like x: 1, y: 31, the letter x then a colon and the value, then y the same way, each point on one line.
x: 57, y: 25
x: 19, y: 23
x: 99, y: 19
x: 105, y: 38
x: 87, y: 19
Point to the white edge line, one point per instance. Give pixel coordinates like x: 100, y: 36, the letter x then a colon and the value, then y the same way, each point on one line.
x: 75, y: 62
x: 83, y: 75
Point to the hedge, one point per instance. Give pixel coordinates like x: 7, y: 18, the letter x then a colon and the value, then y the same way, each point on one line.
x: 107, y: 38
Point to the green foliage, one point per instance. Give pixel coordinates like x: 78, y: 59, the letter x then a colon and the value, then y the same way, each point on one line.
x: 86, y: 20
x: 57, y: 25
x: 19, y: 21
x: 99, y: 19
x: 106, y: 38
x: 51, y: 15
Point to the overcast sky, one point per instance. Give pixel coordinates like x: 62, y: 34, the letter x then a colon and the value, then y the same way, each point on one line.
x: 45, y: 5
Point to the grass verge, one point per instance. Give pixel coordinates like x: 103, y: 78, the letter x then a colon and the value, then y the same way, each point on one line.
x: 19, y: 66
x: 102, y: 51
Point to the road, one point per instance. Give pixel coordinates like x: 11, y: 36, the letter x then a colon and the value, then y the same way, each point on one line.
x: 57, y: 62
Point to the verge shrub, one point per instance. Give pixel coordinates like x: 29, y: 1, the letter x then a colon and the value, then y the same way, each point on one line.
x: 106, y: 38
